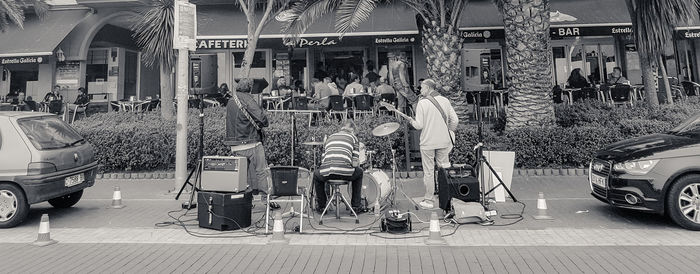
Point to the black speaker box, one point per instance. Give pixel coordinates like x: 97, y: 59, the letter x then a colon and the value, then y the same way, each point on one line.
x: 224, y: 211
x: 458, y: 185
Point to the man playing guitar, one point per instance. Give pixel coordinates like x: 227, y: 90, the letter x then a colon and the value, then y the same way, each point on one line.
x: 438, y: 121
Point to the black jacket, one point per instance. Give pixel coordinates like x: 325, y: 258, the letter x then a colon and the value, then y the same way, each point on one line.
x: 239, y: 130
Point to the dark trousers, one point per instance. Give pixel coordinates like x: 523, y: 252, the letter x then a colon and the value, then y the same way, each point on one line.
x: 356, y: 183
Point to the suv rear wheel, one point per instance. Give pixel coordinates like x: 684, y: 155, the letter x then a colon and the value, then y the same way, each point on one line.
x: 684, y: 202
x: 67, y: 200
x: 13, y: 205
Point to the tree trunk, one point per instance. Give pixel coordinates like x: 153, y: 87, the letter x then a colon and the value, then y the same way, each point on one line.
x: 441, y: 47
x: 249, y: 50
x: 667, y: 85
x: 649, y: 80
x: 166, y: 92
x: 529, y: 58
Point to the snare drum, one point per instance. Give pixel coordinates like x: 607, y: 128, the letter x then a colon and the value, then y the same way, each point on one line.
x: 376, y: 186
x: 363, y: 153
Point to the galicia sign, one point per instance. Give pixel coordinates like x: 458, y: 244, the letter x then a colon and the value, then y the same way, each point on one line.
x: 395, y: 40
x: 689, y: 34
x: 222, y: 43
x: 483, y: 34
x: 24, y: 60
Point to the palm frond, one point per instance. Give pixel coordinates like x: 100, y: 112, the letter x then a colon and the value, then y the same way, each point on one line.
x: 655, y: 24
x: 153, y: 32
x: 11, y: 13
x: 304, y: 14
x: 351, y: 13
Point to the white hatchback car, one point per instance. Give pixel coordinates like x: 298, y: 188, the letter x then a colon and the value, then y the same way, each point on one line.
x: 41, y: 159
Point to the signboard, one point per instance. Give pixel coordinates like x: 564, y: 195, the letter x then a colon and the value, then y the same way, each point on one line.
x: 557, y: 32
x: 316, y: 42
x: 185, y: 25
x: 222, y: 43
x: 391, y: 40
x: 68, y: 75
x: 24, y: 60
x: 474, y: 35
x: 688, y: 34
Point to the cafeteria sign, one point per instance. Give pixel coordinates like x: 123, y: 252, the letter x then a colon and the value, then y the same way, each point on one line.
x: 24, y: 60
x: 222, y: 43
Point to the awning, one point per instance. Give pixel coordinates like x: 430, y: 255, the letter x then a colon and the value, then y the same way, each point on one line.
x: 39, y: 37
x: 484, y: 14
x: 216, y: 21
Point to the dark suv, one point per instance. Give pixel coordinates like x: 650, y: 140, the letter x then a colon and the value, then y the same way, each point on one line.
x: 657, y: 173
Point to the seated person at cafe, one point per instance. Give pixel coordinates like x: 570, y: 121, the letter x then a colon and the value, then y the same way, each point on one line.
x: 577, y: 80
x: 81, y: 100
x: 53, y: 94
x: 355, y: 87
x: 616, y: 77
x: 321, y: 92
x: 340, y: 161
x: 384, y: 87
x: 29, y: 104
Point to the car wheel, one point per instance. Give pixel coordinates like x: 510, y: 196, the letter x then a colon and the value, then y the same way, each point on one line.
x: 67, y: 200
x: 683, y: 202
x: 13, y: 205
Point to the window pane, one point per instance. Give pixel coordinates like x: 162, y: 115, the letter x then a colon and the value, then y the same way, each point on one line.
x: 258, y: 59
x: 48, y: 132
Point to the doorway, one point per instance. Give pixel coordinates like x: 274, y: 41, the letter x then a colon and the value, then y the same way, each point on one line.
x: 343, y: 62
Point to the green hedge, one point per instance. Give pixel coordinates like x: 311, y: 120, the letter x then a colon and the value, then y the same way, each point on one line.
x: 144, y: 141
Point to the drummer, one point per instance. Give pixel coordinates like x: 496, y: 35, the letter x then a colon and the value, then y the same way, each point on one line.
x: 340, y: 161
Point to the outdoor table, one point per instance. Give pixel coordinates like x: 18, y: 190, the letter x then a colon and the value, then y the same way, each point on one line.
x: 274, y: 101
x: 132, y: 105
x: 309, y: 112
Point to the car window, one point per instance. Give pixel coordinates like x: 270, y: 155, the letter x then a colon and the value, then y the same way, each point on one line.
x: 48, y: 132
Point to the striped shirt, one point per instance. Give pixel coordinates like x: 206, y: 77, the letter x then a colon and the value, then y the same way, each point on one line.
x: 340, y: 151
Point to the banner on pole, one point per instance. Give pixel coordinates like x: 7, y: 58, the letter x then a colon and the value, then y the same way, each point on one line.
x: 185, y: 31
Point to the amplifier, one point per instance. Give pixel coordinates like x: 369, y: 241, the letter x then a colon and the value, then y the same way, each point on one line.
x: 462, y: 187
x: 224, y: 211
x: 224, y: 173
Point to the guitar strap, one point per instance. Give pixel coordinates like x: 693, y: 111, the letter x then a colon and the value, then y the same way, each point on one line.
x: 246, y: 114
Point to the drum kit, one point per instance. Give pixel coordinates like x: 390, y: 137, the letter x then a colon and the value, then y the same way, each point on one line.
x: 378, y: 189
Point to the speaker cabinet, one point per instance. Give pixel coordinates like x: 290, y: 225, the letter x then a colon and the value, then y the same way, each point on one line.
x: 224, y: 173
x: 458, y: 185
x: 224, y: 211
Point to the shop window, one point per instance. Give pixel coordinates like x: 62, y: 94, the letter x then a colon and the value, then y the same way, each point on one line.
x: 560, y: 71
x: 609, y: 60
x: 259, y: 60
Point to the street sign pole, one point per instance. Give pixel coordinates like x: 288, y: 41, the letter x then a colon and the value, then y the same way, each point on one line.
x: 185, y: 29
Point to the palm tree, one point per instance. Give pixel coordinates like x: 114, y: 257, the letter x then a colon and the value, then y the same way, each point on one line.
x: 12, y: 11
x: 529, y: 58
x: 653, y: 22
x: 153, y: 32
x: 439, y: 20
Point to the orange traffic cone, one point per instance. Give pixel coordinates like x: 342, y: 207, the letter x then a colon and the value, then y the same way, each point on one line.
x: 434, y: 237
x: 278, y: 230
x: 542, y: 209
x: 117, y: 198
x: 44, y: 237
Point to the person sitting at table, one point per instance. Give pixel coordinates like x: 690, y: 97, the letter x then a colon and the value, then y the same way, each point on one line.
x: 29, y: 104
x: 53, y: 94
x: 616, y: 77
x: 577, y: 80
x: 384, y: 87
x: 340, y: 82
x: 355, y: 87
x: 81, y: 100
x: 321, y: 92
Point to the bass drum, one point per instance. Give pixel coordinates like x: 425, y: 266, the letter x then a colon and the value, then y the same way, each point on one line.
x: 376, y: 186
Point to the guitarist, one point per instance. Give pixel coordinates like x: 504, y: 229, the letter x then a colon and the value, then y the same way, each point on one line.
x: 244, y: 122
x: 437, y: 120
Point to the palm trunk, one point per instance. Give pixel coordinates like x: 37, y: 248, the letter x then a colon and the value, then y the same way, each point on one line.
x: 441, y: 47
x: 649, y: 80
x: 529, y: 63
x: 166, y: 92
x: 667, y: 84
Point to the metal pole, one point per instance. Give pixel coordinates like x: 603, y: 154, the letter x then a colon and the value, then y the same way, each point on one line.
x: 181, y: 128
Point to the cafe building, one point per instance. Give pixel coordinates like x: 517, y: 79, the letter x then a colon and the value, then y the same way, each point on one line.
x: 221, y: 42
x: 83, y: 43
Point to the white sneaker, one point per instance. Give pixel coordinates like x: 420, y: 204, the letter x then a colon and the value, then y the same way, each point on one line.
x: 427, y: 204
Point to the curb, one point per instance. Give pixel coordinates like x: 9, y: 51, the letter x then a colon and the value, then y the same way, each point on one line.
x: 537, y: 172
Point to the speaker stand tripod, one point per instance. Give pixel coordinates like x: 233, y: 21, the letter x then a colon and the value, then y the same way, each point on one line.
x: 194, y: 179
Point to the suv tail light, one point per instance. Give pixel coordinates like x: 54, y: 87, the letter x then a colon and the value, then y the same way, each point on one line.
x: 37, y: 168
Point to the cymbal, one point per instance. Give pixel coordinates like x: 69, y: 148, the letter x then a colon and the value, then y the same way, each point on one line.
x: 312, y: 143
x: 385, y: 129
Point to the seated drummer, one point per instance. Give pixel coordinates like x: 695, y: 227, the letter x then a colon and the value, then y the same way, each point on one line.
x: 340, y: 161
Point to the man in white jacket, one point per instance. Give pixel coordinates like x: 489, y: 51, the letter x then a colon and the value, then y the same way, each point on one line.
x: 437, y: 135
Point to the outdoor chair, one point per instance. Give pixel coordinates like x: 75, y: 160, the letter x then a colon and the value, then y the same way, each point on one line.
x: 56, y: 107
x: 364, y: 104
x: 337, y: 106
x: 584, y: 94
x: 691, y: 88
x: 153, y: 105
x: 558, y: 95
x: 621, y: 95
x: 283, y: 181
x: 388, y: 98
x: 116, y: 106
x: 300, y: 103
x: 75, y: 109
x: 486, y: 103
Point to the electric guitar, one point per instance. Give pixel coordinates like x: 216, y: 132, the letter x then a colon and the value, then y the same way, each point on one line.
x: 392, y: 108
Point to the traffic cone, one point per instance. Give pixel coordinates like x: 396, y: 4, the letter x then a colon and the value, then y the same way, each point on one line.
x: 278, y: 230
x: 117, y: 198
x: 44, y: 237
x: 434, y: 237
x: 542, y: 209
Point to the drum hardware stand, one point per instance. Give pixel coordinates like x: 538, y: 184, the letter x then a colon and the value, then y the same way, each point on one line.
x: 480, y: 160
x: 197, y: 171
x: 394, y: 185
